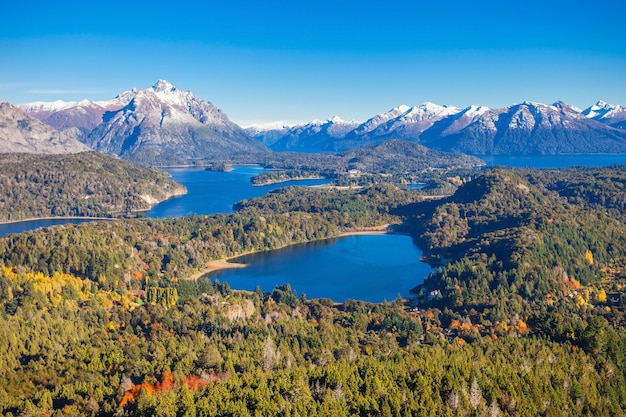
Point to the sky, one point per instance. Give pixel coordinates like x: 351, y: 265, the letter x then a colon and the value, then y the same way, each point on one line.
x: 299, y: 60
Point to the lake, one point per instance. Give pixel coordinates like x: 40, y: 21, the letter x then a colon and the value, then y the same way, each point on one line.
x: 367, y: 267
x: 208, y: 193
x: 212, y: 192
x: 555, y: 161
x: 364, y: 267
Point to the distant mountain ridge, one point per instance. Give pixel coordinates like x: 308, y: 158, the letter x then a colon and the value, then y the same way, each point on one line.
x: 159, y: 125
x: 524, y: 128
x: 162, y: 125
x: 22, y: 133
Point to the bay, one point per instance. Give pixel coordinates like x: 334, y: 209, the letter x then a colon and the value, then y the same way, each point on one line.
x: 208, y: 193
x: 363, y: 267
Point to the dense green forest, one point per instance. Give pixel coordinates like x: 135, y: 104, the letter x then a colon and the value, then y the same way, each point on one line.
x: 87, y: 184
x: 524, y: 317
x: 394, y: 161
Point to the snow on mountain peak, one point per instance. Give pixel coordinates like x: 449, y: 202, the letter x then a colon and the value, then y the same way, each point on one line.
x: 603, y: 110
x: 163, y: 86
x: 474, y: 111
x: 50, y: 106
x: 402, y: 108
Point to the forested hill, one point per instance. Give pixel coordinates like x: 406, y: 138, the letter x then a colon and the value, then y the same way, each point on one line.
x: 524, y: 318
x: 84, y: 184
x: 516, y: 248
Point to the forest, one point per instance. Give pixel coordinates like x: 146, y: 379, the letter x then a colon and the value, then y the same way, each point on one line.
x: 88, y: 184
x: 523, y: 317
x: 393, y: 161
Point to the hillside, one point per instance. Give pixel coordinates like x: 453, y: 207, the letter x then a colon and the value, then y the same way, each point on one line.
x: 395, y: 161
x: 84, y: 184
x: 525, y: 318
x: 514, y: 246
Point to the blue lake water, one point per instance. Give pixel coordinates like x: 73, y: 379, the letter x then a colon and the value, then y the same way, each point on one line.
x: 208, y: 193
x: 364, y: 267
x: 555, y: 161
x: 216, y: 192
x: 19, y: 227
x: 370, y: 268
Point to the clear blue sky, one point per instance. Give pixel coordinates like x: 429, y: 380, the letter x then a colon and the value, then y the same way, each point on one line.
x: 299, y: 60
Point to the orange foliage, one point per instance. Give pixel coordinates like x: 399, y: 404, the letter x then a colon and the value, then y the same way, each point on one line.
x: 455, y: 324
x: 167, y: 382
x: 194, y: 382
x: 131, y: 395
x: 466, y: 326
x: 572, y: 283
x: 137, y: 275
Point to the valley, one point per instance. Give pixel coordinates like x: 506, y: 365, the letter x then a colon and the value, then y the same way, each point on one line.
x: 499, y: 291
x: 535, y: 275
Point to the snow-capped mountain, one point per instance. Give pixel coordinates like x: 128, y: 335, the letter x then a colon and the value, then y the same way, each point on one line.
x: 607, y: 113
x: 408, y: 122
x: 524, y: 128
x: 22, y: 133
x: 335, y: 134
x: 530, y: 128
x: 164, y: 125
x: 312, y: 136
x: 157, y: 125
x: 74, y: 118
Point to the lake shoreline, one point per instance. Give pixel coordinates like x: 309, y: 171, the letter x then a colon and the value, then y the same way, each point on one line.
x: 280, y: 181
x: 34, y: 219
x: 113, y: 216
x: 224, y: 263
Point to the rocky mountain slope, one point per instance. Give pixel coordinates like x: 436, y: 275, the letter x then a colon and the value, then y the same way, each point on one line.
x: 162, y: 125
x: 159, y: 125
x: 22, y: 133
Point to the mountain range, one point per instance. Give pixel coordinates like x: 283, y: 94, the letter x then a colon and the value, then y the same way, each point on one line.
x: 162, y: 125
x: 522, y: 129
x: 22, y: 133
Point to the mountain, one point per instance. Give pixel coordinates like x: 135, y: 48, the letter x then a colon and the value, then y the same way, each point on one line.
x: 159, y: 125
x: 310, y: 137
x: 607, y: 113
x: 163, y: 125
x: 523, y: 129
x: 74, y: 118
x: 22, y: 133
x: 530, y: 129
x: 402, y: 122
